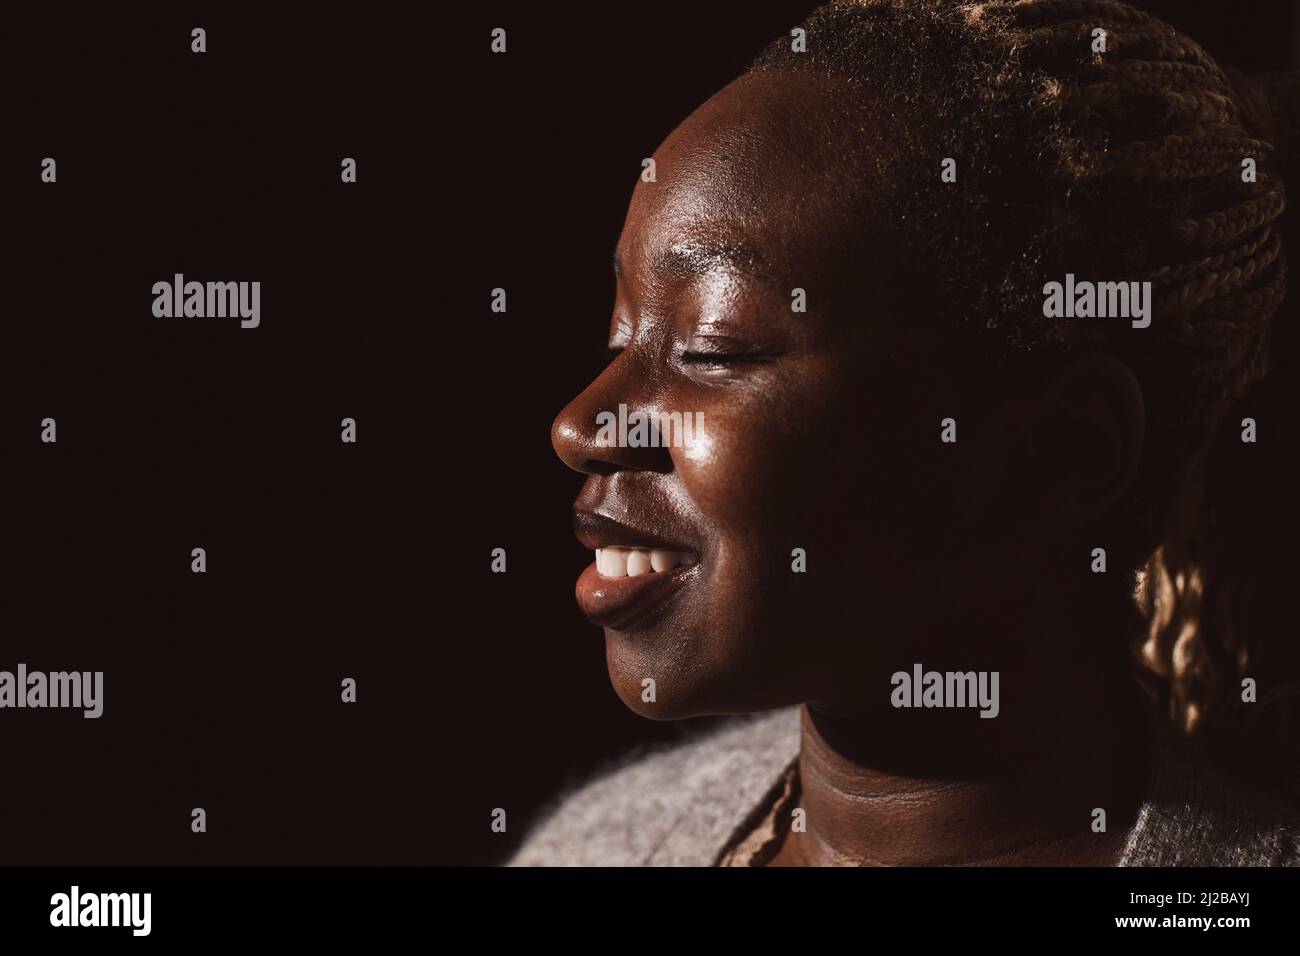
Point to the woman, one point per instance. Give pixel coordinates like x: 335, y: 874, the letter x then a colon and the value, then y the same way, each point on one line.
x: 926, y: 516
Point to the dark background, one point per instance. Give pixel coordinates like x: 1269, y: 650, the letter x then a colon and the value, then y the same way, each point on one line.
x: 325, y: 560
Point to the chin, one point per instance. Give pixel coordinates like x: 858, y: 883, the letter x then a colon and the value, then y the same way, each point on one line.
x: 688, y: 681
x: 634, y: 657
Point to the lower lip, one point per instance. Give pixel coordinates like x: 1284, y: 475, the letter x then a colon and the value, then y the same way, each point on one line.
x: 621, y: 602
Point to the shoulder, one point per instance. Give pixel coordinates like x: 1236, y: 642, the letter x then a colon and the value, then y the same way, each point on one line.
x: 673, y: 804
x: 1200, y: 814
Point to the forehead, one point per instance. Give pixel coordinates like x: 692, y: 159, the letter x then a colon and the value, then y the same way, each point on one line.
x: 784, y: 167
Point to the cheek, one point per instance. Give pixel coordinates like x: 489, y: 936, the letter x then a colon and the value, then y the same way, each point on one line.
x: 759, y: 455
x: 820, y: 459
x: 778, y: 495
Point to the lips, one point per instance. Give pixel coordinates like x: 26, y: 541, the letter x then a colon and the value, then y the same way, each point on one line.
x: 598, y: 531
x: 635, y: 572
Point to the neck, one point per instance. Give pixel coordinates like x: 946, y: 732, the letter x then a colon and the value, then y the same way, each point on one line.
x: 898, y: 787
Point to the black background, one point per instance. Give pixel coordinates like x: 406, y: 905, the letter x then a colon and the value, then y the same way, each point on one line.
x: 475, y: 690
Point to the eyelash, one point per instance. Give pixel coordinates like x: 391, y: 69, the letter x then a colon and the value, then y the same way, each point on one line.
x: 702, y: 358
x: 717, y: 358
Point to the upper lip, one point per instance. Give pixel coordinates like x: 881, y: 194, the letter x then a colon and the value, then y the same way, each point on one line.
x: 596, y: 530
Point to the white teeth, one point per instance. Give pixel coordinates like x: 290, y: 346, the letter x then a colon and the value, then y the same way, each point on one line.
x: 638, y: 562
x: 633, y: 562
x: 615, y: 563
x: 666, y: 560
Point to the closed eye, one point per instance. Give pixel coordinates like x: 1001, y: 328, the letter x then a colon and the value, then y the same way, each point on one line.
x: 722, y: 358
x: 720, y: 350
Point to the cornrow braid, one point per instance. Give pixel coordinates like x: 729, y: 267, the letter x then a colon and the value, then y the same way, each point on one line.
x: 1169, y: 275
x: 1229, y: 225
x: 1132, y: 158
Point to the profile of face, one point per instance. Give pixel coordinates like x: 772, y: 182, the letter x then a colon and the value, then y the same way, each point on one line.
x: 817, y: 534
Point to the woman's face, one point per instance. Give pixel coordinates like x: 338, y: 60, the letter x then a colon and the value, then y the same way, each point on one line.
x: 816, y: 430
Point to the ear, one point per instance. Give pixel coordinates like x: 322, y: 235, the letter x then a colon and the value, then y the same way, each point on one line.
x: 1082, y: 447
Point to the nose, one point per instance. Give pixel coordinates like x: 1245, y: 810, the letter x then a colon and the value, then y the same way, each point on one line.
x: 587, y: 434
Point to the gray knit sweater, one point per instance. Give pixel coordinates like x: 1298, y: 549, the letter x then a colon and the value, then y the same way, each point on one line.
x: 684, y: 804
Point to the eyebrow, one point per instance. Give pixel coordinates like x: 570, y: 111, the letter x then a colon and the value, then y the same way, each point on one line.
x: 692, y: 258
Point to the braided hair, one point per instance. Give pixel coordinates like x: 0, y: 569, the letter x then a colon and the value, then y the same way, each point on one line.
x: 1119, y: 159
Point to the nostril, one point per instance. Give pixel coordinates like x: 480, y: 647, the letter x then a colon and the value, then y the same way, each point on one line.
x: 584, y: 438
